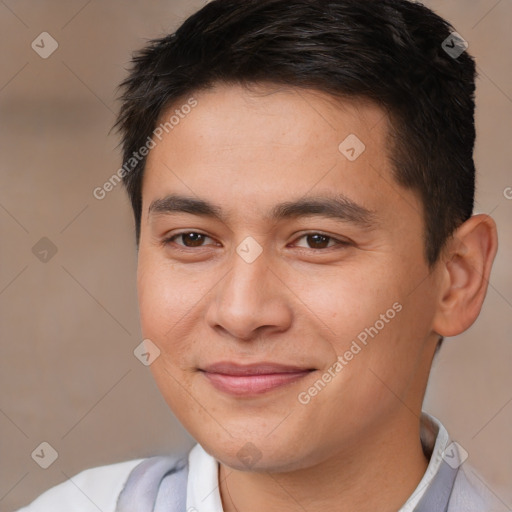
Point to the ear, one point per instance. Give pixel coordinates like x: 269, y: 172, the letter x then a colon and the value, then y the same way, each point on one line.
x: 465, y: 267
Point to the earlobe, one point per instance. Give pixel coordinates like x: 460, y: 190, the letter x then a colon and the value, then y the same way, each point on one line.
x: 467, y: 264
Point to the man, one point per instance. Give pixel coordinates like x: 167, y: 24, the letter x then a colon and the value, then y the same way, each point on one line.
x: 302, y: 178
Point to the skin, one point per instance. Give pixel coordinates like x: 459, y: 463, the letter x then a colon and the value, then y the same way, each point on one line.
x: 298, y: 303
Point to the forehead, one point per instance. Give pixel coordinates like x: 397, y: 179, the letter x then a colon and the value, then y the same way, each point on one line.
x: 254, y: 147
x: 230, y: 114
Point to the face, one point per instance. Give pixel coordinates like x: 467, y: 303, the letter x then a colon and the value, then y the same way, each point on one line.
x: 281, y: 274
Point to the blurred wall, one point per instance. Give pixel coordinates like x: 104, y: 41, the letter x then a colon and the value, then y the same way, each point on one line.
x: 69, y: 319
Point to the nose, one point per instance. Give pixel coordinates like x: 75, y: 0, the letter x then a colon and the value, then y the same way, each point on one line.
x: 251, y: 300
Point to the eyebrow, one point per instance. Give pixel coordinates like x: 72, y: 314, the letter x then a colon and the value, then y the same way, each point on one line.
x: 338, y: 207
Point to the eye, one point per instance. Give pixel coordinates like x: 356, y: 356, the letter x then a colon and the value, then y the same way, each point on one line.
x: 319, y: 241
x: 314, y: 241
x: 190, y: 239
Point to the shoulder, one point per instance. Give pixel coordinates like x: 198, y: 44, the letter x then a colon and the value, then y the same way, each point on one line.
x: 472, y: 494
x: 89, y: 491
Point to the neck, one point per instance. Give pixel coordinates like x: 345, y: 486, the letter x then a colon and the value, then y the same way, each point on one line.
x: 377, y: 474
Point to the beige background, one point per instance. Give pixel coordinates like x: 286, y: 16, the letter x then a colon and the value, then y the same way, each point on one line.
x: 69, y: 326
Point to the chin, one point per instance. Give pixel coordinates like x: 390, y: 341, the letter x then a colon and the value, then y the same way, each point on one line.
x: 260, y: 455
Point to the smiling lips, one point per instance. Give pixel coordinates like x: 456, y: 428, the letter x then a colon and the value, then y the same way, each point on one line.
x: 253, y: 379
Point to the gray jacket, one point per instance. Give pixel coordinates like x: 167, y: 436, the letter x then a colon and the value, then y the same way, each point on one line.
x: 159, y: 485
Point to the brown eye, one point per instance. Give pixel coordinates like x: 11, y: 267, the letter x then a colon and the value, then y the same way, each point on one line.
x: 189, y: 239
x: 320, y: 241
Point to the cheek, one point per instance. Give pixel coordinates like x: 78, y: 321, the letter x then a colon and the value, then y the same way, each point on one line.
x: 371, y: 323
x: 167, y: 300
x: 165, y: 319
x: 158, y: 300
x: 347, y: 300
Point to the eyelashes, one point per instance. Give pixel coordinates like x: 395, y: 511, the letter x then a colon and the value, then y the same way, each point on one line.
x: 196, y: 239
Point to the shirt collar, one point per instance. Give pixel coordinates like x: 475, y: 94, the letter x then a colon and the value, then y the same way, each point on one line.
x: 203, y: 484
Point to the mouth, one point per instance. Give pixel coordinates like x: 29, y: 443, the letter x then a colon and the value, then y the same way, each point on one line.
x: 253, y: 379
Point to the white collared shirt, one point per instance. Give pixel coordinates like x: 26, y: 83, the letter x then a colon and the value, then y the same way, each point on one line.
x: 152, y: 484
x: 203, y: 493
